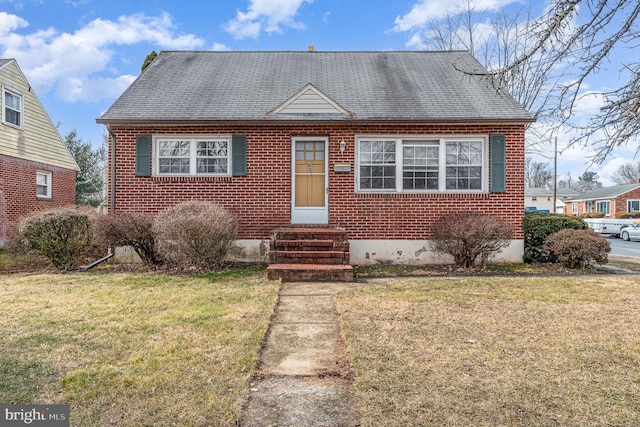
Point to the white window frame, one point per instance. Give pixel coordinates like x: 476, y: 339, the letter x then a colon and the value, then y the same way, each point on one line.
x: 441, y: 142
x: 574, y: 208
x: 20, y: 111
x: 606, y: 203
x: 193, y: 141
x: 636, y: 201
x: 47, y: 184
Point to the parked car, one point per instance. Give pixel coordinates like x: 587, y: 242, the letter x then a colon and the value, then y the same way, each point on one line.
x: 630, y: 232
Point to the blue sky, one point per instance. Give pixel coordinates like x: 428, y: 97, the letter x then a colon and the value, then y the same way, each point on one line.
x: 79, y: 55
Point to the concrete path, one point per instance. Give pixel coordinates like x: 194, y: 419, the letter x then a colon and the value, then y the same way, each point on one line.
x: 303, y: 378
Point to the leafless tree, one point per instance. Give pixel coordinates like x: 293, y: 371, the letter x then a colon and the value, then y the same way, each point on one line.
x: 546, y: 62
x: 537, y: 174
x: 628, y: 173
x: 587, y: 33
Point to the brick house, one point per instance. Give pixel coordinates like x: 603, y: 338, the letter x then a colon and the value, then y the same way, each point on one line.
x: 376, y: 144
x: 36, y: 170
x: 609, y: 200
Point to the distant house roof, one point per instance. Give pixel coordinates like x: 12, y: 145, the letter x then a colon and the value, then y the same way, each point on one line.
x: 606, y: 192
x: 408, y: 85
x: 544, y: 191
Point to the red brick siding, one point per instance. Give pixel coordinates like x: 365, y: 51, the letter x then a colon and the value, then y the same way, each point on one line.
x: 18, y: 189
x: 262, y: 200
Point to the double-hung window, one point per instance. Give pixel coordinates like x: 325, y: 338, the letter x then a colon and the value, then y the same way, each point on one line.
x: 12, y: 107
x: 633, y: 205
x: 43, y: 184
x: 421, y: 164
x: 193, y: 156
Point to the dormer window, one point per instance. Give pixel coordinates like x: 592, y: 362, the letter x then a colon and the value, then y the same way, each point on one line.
x: 12, y: 108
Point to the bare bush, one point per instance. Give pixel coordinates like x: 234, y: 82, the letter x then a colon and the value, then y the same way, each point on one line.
x: 471, y: 238
x: 62, y: 235
x: 195, y: 233
x: 133, y: 229
x: 577, y: 248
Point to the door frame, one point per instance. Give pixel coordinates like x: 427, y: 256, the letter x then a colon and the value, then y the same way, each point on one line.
x: 310, y: 215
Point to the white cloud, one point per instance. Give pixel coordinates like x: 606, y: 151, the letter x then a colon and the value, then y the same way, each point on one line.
x: 265, y: 15
x: 10, y: 22
x: 220, y: 47
x: 77, y: 65
x: 425, y: 11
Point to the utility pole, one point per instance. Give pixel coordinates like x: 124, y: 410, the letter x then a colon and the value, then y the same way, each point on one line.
x: 555, y: 175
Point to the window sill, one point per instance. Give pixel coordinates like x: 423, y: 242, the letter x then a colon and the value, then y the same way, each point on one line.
x: 11, y: 125
x: 472, y: 196
x: 191, y: 178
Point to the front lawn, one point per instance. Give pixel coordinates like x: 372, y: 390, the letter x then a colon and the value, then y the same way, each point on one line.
x: 128, y: 349
x: 496, y: 351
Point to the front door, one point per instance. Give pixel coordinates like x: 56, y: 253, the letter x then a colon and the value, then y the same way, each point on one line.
x: 309, y: 198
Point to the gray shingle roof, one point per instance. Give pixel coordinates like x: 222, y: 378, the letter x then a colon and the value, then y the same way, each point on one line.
x: 4, y: 62
x: 606, y: 192
x: 544, y: 191
x: 409, y: 85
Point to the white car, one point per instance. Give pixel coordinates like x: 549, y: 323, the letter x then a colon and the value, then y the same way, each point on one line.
x: 630, y: 232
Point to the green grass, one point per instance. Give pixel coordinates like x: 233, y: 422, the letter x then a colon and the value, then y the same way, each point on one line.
x: 133, y: 348
x: 496, y: 351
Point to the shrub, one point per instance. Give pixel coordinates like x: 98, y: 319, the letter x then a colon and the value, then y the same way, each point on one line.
x: 627, y: 215
x: 195, y: 233
x: 537, y: 227
x: 471, y: 238
x: 63, y: 235
x: 577, y: 248
x: 592, y: 215
x: 133, y: 229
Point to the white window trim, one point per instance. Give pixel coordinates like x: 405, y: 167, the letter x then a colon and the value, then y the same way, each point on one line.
x: 442, y: 139
x: 629, y: 204
x: 607, y: 203
x: 48, y: 176
x: 574, y: 208
x: 193, y: 139
x: 13, y: 92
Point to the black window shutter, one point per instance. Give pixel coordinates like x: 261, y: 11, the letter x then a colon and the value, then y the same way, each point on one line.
x: 498, y: 163
x: 143, y: 155
x: 239, y: 155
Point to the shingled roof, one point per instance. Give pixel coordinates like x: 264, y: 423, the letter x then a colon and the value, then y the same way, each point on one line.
x: 606, y: 192
x: 410, y: 85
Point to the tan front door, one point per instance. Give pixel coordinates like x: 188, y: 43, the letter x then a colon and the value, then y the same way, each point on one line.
x: 309, y: 195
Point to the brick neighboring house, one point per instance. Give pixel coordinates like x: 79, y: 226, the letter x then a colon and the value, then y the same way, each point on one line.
x: 36, y: 170
x: 379, y: 144
x: 610, y: 200
x: 541, y: 198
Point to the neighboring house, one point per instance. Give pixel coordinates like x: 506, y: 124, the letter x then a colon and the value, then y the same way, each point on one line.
x: 36, y: 170
x: 609, y: 200
x: 380, y: 144
x: 542, y: 198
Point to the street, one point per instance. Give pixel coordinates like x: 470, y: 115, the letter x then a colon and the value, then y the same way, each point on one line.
x: 626, y: 249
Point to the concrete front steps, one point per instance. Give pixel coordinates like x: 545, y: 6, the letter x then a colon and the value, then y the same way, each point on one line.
x: 302, y: 254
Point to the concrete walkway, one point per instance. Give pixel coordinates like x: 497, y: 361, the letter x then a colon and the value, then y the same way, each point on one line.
x: 303, y: 378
